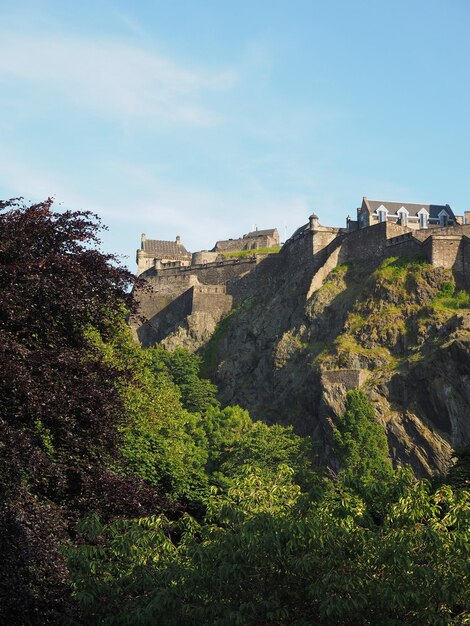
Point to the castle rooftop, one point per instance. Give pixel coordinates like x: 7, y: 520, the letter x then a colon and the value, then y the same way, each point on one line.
x: 262, y: 233
x: 413, y: 208
x: 164, y: 248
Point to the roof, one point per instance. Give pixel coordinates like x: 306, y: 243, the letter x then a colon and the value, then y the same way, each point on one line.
x: 262, y: 233
x: 164, y: 248
x: 412, y: 208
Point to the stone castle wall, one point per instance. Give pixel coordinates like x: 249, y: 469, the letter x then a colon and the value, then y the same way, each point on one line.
x: 203, y: 257
x: 245, y: 243
x: 166, y: 319
x: 350, y: 379
x: 212, y: 287
x: 212, y: 299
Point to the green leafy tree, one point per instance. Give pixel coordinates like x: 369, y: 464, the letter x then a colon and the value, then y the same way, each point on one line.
x: 197, y: 394
x: 266, y: 555
x: 459, y: 474
x: 360, y: 444
x: 60, y: 409
x: 163, y: 442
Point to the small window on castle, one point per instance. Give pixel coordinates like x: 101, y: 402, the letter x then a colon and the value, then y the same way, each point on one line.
x: 423, y: 220
x: 382, y: 213
x: 403, y: 215
x: 443, y: 219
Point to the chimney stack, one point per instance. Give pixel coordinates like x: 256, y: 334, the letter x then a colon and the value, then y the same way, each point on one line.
x: 143, y: 239
x: 466, y: 217
x: 178, y: 239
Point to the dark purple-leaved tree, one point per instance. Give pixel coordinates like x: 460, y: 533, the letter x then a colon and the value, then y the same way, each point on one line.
x: 59, y: 408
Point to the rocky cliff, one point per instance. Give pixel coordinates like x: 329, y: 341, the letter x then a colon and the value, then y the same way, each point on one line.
x: 400, y: 325
x: 293, y: 344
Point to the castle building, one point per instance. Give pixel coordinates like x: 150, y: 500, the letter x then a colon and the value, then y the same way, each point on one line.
x: 414, y: 216
x: 157, y: 253
x: 251, y: 241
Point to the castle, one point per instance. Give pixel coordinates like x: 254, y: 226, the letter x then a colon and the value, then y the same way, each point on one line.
x: 196, y: 290
x: 158, y: 254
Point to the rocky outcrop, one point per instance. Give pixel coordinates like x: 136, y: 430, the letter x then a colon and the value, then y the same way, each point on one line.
x: 400, y: 323
x: 290, y: 333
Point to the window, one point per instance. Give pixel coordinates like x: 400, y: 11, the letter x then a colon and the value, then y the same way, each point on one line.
x: 382, y: 213
x: 423, y: 219
x: 443, y: 218
x: 403, y: 216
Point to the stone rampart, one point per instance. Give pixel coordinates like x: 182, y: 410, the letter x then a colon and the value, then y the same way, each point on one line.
x: 264, y: 274
x: 211, y: 299
x: 247, y: 243
x: 370, y: 243
x: 406, y: 245
x: 159, y: 290
x: 466, y: 262
x: 203, y: 257
x: 350, y: 379
x: 165, y: 320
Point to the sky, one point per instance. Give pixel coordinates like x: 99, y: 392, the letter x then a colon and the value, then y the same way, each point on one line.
x: 208, y: 118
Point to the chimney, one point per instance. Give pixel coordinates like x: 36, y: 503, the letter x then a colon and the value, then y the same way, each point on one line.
x: 178, y: 239
x: 466, y: 218
x: 143, y: 239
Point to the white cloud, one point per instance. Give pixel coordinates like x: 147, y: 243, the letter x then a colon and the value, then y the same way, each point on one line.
x: 112, y: 77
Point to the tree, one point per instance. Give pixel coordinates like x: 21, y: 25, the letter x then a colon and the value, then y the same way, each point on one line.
x: 361, y: 444
x: 60, y: 408
x: 265, y: 555
x: 459, y: 474
x: 197, y: 394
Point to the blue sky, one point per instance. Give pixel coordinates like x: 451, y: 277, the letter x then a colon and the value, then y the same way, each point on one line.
x: 204, y: 118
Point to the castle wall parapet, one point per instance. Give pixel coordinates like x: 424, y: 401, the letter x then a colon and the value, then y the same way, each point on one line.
x: 348, y: 378
x: 203, y: 257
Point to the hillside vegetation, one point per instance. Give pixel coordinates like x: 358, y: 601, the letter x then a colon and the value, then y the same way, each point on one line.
x: 131, y: 495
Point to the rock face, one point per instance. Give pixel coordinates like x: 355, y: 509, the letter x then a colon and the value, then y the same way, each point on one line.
x: 391, y: 328
x: 301, y: 330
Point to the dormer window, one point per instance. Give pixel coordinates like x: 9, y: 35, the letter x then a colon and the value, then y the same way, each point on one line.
x: 382, y: 214
x: 403, y: 216
x: 423, y: 216
x: 443, y: 218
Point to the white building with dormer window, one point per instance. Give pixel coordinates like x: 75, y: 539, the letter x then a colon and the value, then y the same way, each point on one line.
x: 412, y: 215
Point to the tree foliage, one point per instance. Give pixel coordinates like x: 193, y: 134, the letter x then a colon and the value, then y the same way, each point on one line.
x: 197, y: 394
x: 268, y: 556
x: 361, y: 444
x: 59, y: 409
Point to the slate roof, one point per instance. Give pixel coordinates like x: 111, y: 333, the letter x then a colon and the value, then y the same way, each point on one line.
x: 261, y: 233
x: 412, y: 208
x: 170, y: 249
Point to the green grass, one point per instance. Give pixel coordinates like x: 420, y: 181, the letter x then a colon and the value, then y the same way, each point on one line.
x: 237, y: 254
x: 457, y: 300
x: 397, y: 267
